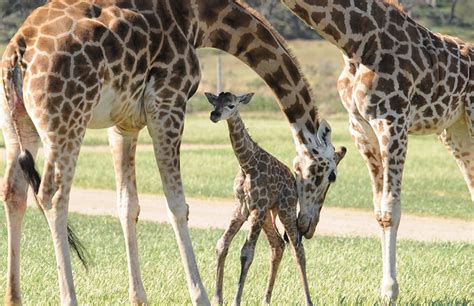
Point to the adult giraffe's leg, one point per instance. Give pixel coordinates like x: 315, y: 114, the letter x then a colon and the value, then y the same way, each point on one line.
x: 277, y: 246
x: 14, y: 194
x: 368, y: 146
x: 61, y: 153
x: 392, y: 137
x: 257, y: 218
x: 165, y: 120
x: 458, y: 141
x: 222, y: 247
x: 123, y: 145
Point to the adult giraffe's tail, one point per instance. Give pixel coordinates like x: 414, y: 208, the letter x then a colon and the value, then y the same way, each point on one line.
x: 13, y: 89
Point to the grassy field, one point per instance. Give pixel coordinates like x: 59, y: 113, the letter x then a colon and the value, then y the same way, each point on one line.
x: 341, y: 270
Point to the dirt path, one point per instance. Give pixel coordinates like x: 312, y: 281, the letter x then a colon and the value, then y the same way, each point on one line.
x: 334, y: 221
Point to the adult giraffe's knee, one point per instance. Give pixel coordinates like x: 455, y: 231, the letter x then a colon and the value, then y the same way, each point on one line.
x: 384, y: 219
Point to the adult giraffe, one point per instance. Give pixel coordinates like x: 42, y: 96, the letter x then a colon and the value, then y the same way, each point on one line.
x: 398, y: 78
x: 124, y: 65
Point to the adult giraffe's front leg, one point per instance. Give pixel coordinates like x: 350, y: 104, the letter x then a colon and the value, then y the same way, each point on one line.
x: 165, y: 121
x: 123, y: 145
x: 392, y: 138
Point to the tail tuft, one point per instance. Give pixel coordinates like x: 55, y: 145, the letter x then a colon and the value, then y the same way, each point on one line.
x: 78, y: 247
x: 27, y: 164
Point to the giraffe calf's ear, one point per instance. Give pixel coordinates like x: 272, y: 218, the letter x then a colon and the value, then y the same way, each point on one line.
x: 245, y: 99
x: 211, y: 98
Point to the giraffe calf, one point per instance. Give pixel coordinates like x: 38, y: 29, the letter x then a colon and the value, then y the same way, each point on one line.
x: 264, y: 189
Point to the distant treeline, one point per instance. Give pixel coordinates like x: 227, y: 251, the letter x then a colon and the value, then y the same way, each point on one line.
x: 432, y: 13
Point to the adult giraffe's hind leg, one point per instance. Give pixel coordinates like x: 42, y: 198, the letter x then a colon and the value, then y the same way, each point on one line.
x: 14, y: 194
x: 61, y: 153
x: 165, y: 120
x: 123, y: 145
x: 458, y: 141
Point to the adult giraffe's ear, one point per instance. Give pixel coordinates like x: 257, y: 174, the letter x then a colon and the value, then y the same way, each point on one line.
x: 323, y: 136
x: 245, y: 99
x: 211, y: 98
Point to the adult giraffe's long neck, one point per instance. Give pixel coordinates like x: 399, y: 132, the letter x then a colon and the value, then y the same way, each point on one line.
x: 235, y: 28
x: 355, y: 27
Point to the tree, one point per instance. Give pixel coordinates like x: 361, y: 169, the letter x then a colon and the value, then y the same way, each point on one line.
x: 452, y: 14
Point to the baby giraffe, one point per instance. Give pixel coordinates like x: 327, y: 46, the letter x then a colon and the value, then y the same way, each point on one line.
x: 264, y: 189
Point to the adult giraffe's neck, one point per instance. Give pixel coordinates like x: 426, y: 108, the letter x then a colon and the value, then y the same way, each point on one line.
x: 235, y: 28
x: 355, y: 27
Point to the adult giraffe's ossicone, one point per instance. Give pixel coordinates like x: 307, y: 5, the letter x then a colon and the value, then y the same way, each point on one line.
x: 399, y: 78
x: 124, y: 65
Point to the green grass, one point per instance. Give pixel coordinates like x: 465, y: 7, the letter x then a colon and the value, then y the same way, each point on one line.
x: 340, y: 270
x: 432, y: 183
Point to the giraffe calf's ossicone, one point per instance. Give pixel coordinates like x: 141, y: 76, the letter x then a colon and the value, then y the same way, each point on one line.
x: 264, y: 189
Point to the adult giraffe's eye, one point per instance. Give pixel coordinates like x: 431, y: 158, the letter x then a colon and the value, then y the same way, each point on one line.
x: 231, y: 106
x: 332, y: 177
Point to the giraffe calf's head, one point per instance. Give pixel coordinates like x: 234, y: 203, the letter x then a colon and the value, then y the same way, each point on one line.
x: 226, y: 104
x: 315, y: 168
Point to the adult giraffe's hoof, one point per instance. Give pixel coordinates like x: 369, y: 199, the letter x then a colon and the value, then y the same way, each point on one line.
x: 389, y: 291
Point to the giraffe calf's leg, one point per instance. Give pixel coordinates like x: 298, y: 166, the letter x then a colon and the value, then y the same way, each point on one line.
x: 123, y: 145
x: 277, y: 246
x: 222, y: 247
x: 246, y: 254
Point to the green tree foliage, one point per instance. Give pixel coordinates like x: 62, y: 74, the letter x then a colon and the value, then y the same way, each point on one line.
x: 284, y: 21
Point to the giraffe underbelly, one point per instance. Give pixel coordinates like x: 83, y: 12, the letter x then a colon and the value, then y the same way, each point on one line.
x: 116, y: 108
x: 434, y: 118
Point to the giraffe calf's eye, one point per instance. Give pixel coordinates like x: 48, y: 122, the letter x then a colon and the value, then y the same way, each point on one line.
x: 231, y: 106
x: 332, y: 177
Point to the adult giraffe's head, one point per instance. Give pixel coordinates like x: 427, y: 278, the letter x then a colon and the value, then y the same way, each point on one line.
x: 315, y: 167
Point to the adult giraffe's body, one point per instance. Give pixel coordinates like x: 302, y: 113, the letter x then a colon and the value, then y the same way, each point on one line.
x: 399, y: 78
x: 124, y: 65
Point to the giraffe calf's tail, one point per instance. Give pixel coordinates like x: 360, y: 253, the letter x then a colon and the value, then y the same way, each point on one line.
x: 13, y: 84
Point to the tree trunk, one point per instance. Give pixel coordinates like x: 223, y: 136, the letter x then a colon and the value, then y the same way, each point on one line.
x: 452, y: 15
